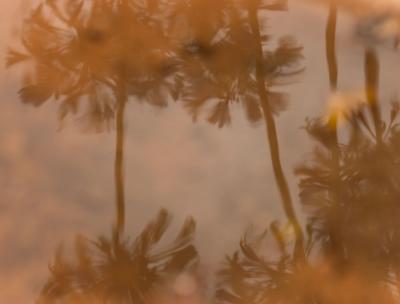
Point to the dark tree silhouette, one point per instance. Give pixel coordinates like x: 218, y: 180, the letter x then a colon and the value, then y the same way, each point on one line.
x: 106, y: 51
x: 354, y: 219
x: 350, y: 191
x: 227, y: 61
x: 264, y: 270
x: 96, y: 55
x: 115, y: 270
x: 352, y: 243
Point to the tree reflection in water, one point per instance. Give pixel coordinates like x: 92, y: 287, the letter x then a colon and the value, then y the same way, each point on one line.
x: 350, y: 190
x: 97, y: 55
x: 229, y: 60
x: 115, y: 270
x: 107, y: 51
x: 101, y: 54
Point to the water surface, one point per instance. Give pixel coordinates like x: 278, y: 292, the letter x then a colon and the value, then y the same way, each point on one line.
x: 262, y: 128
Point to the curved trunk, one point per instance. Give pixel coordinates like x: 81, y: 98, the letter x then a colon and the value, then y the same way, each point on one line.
x: 273, y: 139
x: 119, y: 164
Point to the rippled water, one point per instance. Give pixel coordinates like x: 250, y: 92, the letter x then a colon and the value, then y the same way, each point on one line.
x: 199, y: 151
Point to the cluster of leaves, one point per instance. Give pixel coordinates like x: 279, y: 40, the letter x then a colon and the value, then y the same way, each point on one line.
x: 111, y: 270
x: 99, y: 51
x: 354, y: 200
x: 250, y: 277
x: 219, y: 64
x: 106, y: 51
x: 351, y: 192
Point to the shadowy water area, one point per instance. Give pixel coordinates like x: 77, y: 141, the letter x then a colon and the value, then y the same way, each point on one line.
x: 198, y: 151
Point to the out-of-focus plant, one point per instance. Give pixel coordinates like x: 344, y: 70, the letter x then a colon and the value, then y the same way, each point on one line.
x: 230, y: 58
x: 115, y: 270
x: 96, y: 55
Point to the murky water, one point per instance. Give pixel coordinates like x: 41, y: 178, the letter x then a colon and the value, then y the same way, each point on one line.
x: 233, y: 151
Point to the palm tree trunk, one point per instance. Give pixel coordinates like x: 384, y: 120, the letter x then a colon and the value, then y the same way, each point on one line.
x: 330, y: 44
x: 336, y: 234
x: 371, y: 67
x: 330, y: 38
x: 119, y: 162
x: 273, y: 138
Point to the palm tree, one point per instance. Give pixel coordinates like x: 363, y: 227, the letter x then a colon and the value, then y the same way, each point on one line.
x: 115, y: 270
x: 352, y: 244
x: 354, y: 220
x: 97, y: 54
x: 102, y: 53
x: 262, y: 271
x: 271, y: 130
x: 351, y: 191
x: 229, y: 63
x: 332, y: 132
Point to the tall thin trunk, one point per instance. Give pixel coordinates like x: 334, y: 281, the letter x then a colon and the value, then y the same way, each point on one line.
x: 119, y: 163
x: 371, y: 67
x: 273, y: 139
x: 330, y: 38
x: 330, y: 46
x: 336, y: 186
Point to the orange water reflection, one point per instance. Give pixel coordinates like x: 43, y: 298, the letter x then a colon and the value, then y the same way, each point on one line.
x: 114, y: 110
